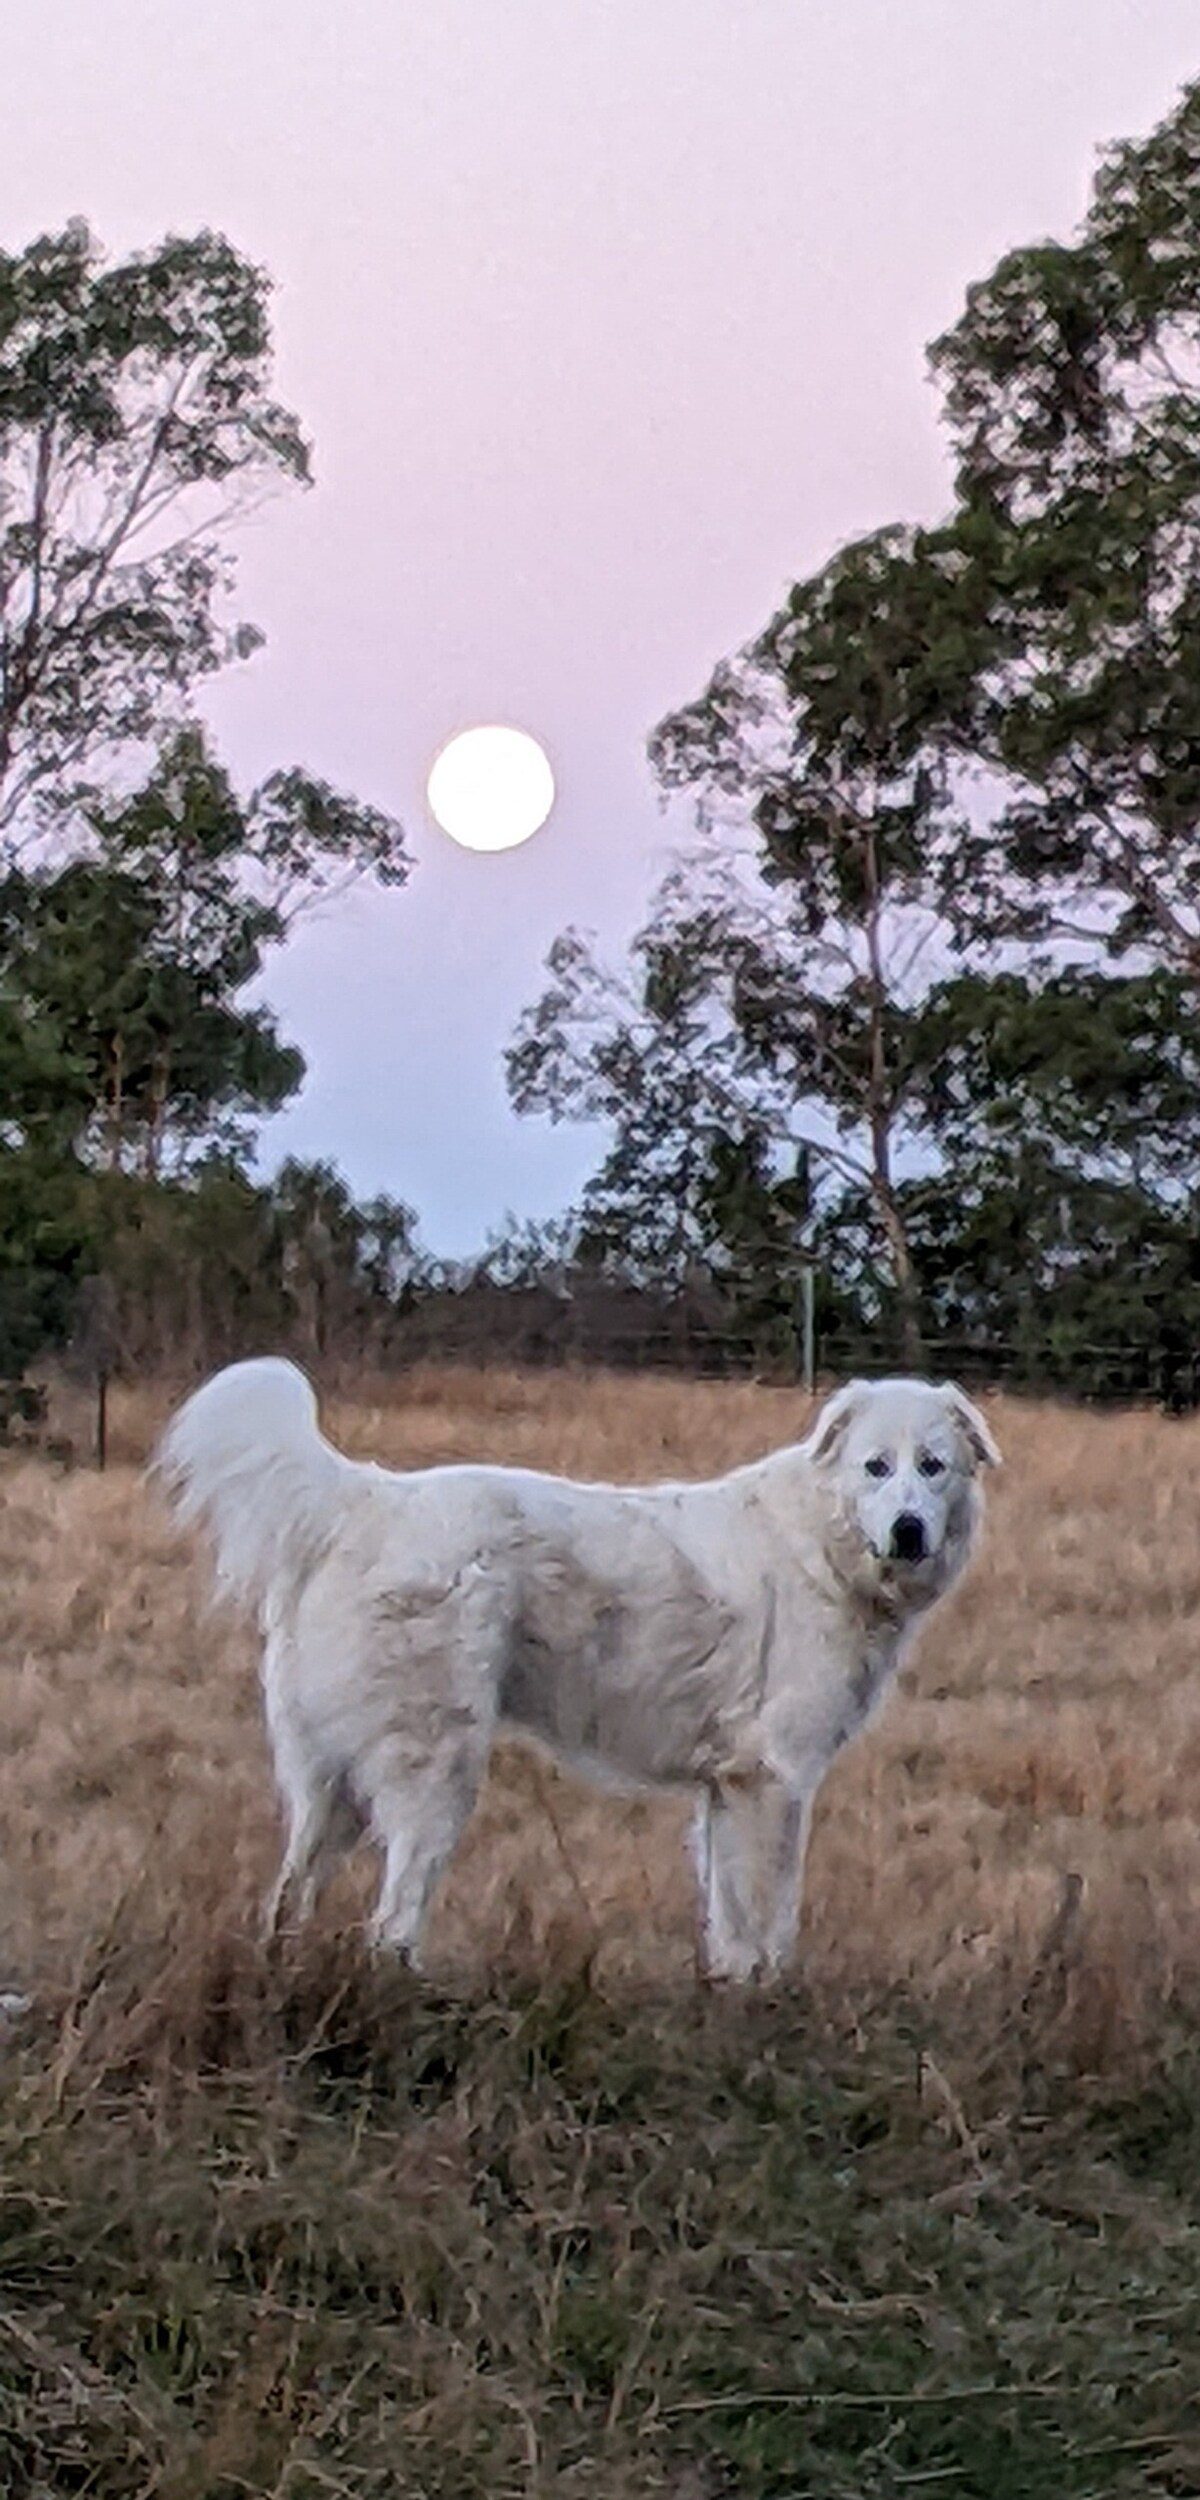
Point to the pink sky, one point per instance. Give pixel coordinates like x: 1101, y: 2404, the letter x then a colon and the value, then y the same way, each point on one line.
x: 607, y: 318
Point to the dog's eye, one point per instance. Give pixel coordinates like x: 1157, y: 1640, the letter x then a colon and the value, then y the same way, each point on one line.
x: 929, y: 1464
x: 879, y: 1465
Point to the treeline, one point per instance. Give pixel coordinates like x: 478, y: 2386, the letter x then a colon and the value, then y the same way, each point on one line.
x: 912, y: 1023
x: 172, y: 1277
x: 919, y: 1005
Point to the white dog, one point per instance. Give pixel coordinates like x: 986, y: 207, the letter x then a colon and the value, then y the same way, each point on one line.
x: 725, y: 1637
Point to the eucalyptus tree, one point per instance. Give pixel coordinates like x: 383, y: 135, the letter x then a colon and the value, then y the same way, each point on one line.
x: 1072, y: 395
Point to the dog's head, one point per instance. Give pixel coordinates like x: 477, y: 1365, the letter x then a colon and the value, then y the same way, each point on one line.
x: 903, y: 1458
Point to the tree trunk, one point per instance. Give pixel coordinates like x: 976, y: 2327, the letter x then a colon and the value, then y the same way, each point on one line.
x: 159, y: 1083
x: 881, y: 1113
x: 907, y: 1294
x: 116, y: 1100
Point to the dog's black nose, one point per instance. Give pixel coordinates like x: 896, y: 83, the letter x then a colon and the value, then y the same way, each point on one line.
x: 908, y: 1537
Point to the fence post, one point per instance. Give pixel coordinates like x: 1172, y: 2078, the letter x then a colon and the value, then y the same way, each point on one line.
x: 94, y: 1348
x: 808, y: 1328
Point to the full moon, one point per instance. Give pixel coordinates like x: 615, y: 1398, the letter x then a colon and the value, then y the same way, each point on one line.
x: 491, y: 788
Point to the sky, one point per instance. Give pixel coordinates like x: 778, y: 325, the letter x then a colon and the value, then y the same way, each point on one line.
x: 607, y: 319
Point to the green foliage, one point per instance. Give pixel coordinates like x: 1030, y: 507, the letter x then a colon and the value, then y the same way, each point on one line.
x: 694, y: 1171
x: 213, y: 1265
x: 49, y: 1240
x: 1073, y: 396
x: 1099, y: 1070
x: 128, y: 965
x: 160, y: 1052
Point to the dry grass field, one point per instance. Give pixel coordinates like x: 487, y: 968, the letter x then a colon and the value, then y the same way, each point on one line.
x: 1049, y: 1728
x: 559, y: 2221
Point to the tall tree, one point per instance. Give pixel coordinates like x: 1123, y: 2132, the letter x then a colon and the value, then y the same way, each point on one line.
x: 1073, y: 397
x: 137, y: 427
x: 649, y: 1053
x: 136, y: 424
x: 826, y: 735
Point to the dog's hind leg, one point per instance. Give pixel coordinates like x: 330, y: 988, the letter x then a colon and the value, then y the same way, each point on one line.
x: 325, y: 1829
x: 299, y: 1869
x: 315, y: 1806
x: 305, y: 1836
x: 418, y: 1815
x: 438, y: 1663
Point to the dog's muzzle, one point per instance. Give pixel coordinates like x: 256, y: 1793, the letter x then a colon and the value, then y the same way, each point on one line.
x: 909, y: 1542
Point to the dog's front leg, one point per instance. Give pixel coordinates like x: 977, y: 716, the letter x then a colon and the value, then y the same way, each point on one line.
x: 795, y: 1823
x: 748, y: 1840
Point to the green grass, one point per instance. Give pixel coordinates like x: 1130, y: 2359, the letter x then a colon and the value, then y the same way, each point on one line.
x: 311, y: 2231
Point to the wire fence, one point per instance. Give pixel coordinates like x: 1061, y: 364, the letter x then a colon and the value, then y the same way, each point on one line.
x: 534, y: 1327
x: 1050, y: 1355
x: 1088, y: 1370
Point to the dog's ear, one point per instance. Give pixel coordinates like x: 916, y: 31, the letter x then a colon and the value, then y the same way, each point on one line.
x: 834, y: 1421
x: 971, y: 1424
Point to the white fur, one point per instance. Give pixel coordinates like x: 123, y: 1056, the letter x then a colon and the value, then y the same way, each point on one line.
x: 725, y: 1637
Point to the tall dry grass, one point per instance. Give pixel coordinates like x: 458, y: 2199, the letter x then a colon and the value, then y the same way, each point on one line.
x: 1038, y: 1771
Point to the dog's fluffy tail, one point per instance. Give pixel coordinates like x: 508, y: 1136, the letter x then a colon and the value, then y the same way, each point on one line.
x: 245, y: 1459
